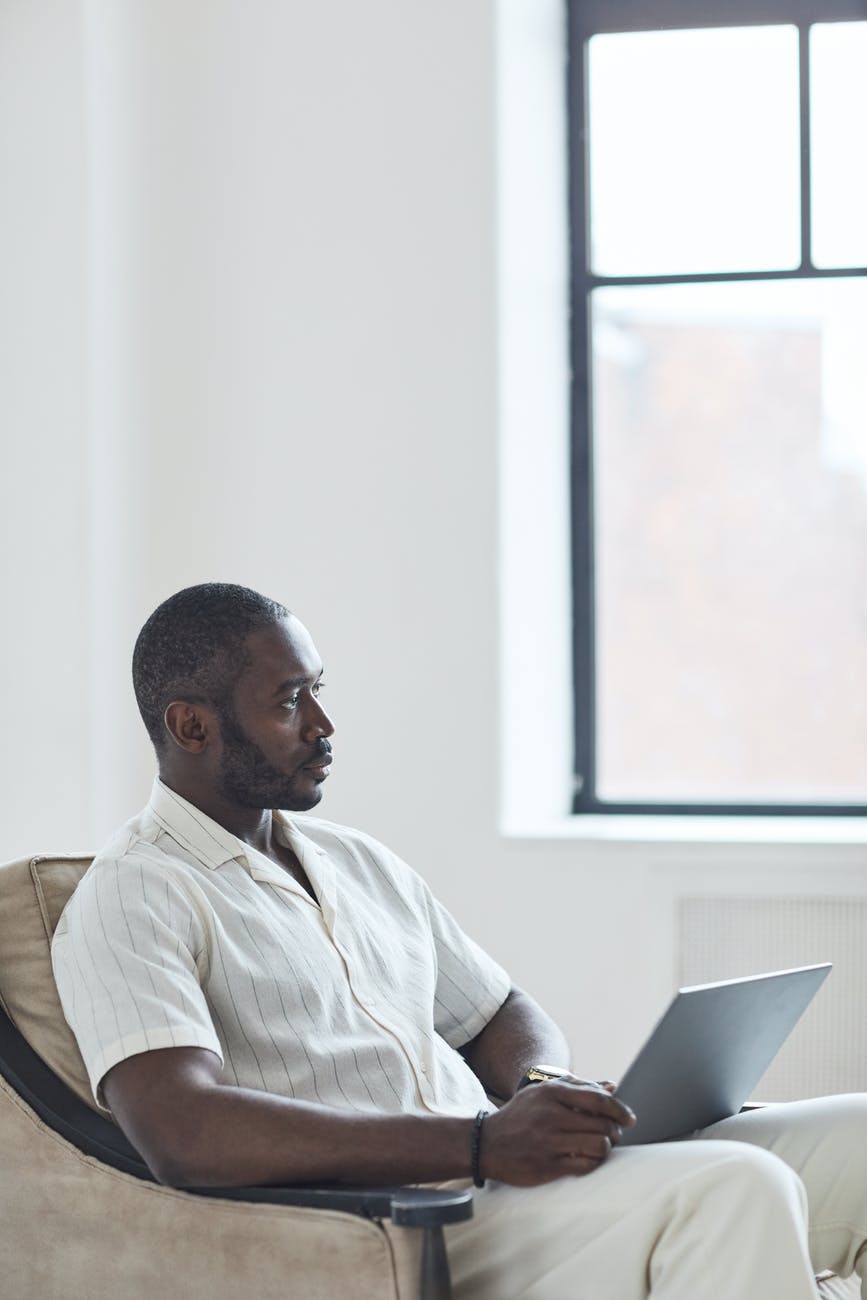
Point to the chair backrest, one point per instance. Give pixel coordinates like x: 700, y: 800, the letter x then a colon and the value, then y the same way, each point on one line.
x: 33, y: 893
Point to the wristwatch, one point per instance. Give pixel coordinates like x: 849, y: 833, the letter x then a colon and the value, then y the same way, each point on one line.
x: 541, y: 1074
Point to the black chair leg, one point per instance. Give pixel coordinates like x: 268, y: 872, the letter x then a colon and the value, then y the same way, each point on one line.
x: 435, y: 1280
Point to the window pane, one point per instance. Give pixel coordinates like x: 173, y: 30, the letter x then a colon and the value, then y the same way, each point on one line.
x: 694, y: 151
x: 838, y: 138
x: 730, y: 449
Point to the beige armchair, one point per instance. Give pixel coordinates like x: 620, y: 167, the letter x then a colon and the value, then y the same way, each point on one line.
x: 81, y: 1215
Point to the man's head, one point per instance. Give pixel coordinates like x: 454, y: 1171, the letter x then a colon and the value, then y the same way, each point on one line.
x: 227, y: 683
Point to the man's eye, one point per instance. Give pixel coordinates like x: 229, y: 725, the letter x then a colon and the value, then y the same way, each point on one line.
x: 295, y: 700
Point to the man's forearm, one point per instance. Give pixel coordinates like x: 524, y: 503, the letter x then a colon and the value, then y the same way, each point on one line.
x: 243, y: 1137
x: 195, y: 1130
x: 521, y: 1034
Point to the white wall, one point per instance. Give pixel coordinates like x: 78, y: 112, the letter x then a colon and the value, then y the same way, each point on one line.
x: 43, y: 664
x: 251, y: 332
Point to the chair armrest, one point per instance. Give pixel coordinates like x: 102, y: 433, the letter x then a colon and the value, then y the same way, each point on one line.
x: 407, y: 1207
x: 95, y: 1135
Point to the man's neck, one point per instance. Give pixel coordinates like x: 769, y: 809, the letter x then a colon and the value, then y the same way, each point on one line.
x: 254, y: 826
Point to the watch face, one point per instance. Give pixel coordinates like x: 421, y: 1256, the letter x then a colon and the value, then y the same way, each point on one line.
x: 543, y: 1073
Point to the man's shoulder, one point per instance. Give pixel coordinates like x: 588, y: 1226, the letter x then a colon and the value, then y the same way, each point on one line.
x: 135, y: 842
x: 133, y: 836
x: 135, y: 853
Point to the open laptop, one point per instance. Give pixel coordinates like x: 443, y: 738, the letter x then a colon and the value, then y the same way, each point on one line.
x: 710, y: 1049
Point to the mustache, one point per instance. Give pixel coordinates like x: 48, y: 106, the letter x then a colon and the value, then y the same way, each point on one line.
x: 321, y: 751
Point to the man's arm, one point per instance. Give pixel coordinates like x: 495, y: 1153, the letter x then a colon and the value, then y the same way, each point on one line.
x: 195, y: 1131
x: 521, y: 1034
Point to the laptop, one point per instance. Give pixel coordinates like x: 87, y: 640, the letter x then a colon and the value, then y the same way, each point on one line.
x: 710, y: 1049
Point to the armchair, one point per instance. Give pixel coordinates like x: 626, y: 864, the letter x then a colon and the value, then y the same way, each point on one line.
x: 81, y: 1214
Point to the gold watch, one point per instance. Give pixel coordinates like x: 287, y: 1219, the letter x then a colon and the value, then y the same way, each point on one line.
x: 541, y: 1074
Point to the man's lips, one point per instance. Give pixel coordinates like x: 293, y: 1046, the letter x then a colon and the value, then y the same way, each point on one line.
x: 321, y: 764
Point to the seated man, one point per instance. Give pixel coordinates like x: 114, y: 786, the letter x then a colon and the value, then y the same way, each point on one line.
x: 264, y: 998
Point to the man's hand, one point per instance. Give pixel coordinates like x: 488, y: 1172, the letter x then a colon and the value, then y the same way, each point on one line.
x: 551, y: 1130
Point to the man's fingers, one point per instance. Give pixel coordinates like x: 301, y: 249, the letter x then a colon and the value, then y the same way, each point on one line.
x: 591, y: 1101
x: 605, y: 1084
x: 588, y: 1156
x: 593, y: 1146
x: 578, y: 1121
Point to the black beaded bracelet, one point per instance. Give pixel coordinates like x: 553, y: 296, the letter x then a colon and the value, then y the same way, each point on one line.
x: 478, y: 1180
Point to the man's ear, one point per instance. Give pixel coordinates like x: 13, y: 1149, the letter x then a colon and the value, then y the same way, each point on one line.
x: 190, y: 726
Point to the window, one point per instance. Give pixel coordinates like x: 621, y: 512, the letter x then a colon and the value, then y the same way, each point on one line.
x: 719, y: 405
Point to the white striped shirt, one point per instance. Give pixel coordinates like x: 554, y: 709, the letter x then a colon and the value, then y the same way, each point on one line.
x: 181, y: 935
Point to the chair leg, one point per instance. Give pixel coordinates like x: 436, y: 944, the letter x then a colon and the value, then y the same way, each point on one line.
x: 435, y: 1282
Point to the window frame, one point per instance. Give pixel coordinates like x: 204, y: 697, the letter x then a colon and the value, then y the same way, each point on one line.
x: 587, y: 18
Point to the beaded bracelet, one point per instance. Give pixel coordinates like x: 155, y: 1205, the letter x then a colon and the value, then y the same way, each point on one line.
x: 478, y: 1180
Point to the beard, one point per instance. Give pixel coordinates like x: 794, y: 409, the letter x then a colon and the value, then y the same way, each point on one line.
x: 249, y: 780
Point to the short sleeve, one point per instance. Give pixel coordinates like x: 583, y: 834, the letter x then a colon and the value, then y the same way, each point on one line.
x: 126, y: 956
x: 471, y: 987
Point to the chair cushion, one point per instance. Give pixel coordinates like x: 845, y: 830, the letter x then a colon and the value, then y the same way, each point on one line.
x: 71, y: 1226
x: 33, y: 893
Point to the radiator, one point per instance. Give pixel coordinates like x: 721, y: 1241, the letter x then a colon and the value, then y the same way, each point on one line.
x: 724, y: 937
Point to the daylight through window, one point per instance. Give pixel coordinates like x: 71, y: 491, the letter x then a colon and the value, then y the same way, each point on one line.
x: 719, y: 210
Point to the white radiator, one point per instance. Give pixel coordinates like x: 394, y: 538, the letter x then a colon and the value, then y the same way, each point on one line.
x: 724, y: 937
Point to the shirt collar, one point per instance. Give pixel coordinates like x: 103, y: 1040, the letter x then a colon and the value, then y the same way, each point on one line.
x: 213, y: 845
x: 206, y: 839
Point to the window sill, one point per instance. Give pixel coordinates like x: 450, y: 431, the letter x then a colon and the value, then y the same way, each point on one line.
x: 631, y: 829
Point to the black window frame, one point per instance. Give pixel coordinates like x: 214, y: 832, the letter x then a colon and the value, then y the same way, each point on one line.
x: 587, y: 18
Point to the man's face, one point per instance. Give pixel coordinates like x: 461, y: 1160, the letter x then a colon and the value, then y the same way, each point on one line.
x: 275, y: 747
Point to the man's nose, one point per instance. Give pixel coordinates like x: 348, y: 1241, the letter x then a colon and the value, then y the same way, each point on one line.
x: 317, y: 722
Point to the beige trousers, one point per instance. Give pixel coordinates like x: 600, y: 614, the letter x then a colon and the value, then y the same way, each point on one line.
x: 748, y: 1209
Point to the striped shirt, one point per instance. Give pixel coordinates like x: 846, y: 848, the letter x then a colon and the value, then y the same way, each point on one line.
x: 181, y: 935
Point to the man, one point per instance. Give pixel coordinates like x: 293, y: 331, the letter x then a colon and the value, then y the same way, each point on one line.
x: 268, y: 998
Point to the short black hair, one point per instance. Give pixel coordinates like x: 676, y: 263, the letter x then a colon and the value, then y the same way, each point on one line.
x: 193, y: 648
